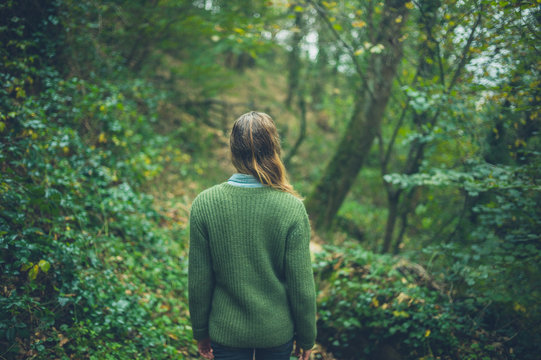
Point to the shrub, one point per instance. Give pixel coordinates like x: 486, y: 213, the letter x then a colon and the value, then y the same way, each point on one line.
x: 375, y: 306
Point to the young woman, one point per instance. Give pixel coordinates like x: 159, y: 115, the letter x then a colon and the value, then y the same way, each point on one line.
x: 251, y: 286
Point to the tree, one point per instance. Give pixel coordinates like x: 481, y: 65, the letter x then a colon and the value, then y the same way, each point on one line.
x: 371, y: 97
x: 436, y: 76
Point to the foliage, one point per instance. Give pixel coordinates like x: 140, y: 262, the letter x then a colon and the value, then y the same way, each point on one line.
x: 88, y: 268
x: 86, y: 265
x: 373, y: 305
x: 104, y: 103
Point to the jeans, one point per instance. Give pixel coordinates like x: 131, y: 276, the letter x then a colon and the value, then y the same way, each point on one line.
x: 281, y: 352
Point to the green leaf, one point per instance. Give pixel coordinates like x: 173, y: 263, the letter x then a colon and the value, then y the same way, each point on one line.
x: 44, y: 265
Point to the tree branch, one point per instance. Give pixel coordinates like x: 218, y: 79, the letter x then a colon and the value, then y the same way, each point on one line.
x: 464, y: 55
x: 349, y: 48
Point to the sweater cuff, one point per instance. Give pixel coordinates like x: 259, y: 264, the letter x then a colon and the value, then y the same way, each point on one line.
x: 200, y: 334
x: 305, y: 345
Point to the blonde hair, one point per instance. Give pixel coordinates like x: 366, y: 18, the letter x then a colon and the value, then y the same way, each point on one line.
x: 255, y: 149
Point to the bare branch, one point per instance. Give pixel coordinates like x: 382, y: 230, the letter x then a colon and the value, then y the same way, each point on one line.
x: 464, y: 55
x: 387, y: 155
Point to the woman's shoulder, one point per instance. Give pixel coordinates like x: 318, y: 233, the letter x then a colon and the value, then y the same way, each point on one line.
x: 290, y: 201
x: 209, y: 193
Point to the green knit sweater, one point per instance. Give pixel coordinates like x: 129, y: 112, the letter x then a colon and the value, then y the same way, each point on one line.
x: 250, y: 277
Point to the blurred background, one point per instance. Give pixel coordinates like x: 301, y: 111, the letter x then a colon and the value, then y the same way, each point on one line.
x: 411, y: 128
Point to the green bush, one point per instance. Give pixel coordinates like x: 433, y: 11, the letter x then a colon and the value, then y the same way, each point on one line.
x: 89, y: 267
x: 375, y: 306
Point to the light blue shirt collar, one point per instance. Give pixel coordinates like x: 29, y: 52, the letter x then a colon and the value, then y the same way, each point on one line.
x: 244, y: 180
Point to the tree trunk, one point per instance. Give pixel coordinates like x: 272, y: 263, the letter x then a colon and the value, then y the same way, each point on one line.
x: 302, y: 132
x: 393, y: 199
x: 319, y: 71
x: 330, y: 191
x: 294, y: 61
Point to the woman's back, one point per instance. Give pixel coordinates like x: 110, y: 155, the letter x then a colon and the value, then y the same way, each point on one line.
x: 257, y: 241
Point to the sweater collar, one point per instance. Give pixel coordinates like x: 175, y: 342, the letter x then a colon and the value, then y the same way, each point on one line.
x: 244, y: 180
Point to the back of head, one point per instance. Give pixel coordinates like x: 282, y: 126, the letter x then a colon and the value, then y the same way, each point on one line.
x: 255, y: 149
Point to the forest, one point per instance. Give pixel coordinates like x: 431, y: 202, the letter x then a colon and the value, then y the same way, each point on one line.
x: 411, y: 129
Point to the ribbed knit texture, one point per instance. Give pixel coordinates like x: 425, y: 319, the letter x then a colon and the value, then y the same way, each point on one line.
x: 250, y: 277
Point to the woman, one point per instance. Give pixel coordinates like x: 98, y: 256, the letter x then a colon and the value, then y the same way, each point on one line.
x: 251, y: 286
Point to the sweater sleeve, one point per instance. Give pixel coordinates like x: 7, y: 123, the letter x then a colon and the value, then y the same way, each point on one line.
x: 300, y: 282
x: 200, y: 277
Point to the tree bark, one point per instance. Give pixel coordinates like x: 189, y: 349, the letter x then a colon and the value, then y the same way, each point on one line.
x: 294, y: 61
x: 302, y: 132
x: 393, y: 199
x: 374, y: 92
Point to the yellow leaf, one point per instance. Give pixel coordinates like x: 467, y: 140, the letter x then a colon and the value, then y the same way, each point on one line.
x: 359, y: 51
x: 2, y: 126
x: 328, y: 5
x: 402, y: 297
x: 409, y: 5
x: 33, y: 273
x: 398, y: 19
x: 102, y: 108
x: 397, y: 313
x: 427, y: 333
x: 359, y: 24
x: 44, y: 265
x: 66, y: 149
x: 102, y: 138
x: 375, y: 302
